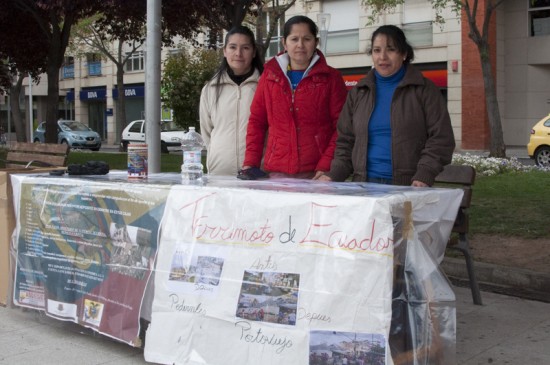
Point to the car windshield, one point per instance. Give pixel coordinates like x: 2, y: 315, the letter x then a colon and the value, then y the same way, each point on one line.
x: 169, y: 126
x: 74, y: 126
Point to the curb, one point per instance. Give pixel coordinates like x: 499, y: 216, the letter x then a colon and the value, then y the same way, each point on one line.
x: 526, y: 283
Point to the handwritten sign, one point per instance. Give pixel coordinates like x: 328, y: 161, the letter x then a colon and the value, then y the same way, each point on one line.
x: 268, y: 278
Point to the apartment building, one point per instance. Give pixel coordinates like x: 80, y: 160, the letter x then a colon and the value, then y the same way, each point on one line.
x: 520, y: 53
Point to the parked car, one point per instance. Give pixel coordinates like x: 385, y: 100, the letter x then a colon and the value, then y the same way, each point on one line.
x: 170, y: 134
x: 71, y: 132
x: 538, y: 147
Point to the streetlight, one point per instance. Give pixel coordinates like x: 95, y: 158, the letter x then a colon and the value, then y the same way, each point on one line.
x: 323, y: 21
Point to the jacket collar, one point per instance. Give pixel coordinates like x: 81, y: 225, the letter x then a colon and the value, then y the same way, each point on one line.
x: 227, y: 80
x: 412, y: 77
x: 284, y: 60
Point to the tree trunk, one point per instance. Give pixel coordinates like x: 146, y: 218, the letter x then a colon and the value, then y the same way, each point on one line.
x: 497, y: 147
x: 52, y: 102
x: 17, y: 119
x: 261, y: 44
x: 58, y: 45
x: 481, y: 40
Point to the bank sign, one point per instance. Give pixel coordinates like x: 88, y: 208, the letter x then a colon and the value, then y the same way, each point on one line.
x: 93, y: 94
x: 131, y: 92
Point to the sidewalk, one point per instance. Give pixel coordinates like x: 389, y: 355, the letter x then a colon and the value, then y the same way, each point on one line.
x: 505, y: 330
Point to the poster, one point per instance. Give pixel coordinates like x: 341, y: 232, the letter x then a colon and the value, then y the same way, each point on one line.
x: 263, y: 277
x: 86, y: 251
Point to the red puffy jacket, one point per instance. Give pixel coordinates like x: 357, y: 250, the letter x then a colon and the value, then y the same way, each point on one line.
x: 300, y: 126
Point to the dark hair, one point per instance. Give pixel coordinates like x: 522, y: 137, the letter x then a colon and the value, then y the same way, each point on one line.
x: 300, y: 19
x: 257, y: 61
x: 396, y: 35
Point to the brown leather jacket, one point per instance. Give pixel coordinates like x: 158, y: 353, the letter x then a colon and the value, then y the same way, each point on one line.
x: 422, y: 135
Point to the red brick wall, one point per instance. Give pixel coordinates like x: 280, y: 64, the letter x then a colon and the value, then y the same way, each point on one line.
x: 475, y: 125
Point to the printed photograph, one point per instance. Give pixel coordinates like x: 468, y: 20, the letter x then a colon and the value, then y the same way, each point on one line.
x: 131, y: 250
x: 269, y: 297
x: 346, y: 348
x: 200, y: 269
x: 32, y: 297
x: 93, y: 311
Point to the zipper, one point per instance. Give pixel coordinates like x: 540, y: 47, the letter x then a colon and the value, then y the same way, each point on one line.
x: 237, y: 134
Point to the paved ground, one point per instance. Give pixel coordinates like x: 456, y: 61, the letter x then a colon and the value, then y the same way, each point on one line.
x: 505, y: 330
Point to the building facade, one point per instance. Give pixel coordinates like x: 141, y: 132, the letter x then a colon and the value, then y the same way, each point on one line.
x: 520, y: 55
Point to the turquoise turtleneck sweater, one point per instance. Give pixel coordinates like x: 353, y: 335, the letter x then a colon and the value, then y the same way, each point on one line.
x: 379, y: 154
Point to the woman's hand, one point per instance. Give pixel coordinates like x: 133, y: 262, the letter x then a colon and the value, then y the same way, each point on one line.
x: 419, y: 184
x: 320, y: 175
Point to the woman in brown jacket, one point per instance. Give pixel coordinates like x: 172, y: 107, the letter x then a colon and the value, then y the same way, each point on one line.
x: 394, y: 127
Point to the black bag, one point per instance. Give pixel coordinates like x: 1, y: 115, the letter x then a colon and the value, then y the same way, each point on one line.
x: 89, y: 168
x: 252, y: 173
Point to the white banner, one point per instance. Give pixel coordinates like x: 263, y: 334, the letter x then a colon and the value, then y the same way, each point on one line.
x: 260, y: 277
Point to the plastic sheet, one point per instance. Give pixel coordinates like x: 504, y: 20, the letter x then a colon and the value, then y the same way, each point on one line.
x: 315, y: 299
x: 423, y: 329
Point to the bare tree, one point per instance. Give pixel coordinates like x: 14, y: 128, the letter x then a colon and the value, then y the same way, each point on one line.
x: 271, y: 11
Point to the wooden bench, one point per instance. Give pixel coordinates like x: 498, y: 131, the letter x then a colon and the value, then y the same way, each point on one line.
x: 28, y: 155
x: 463, y: 177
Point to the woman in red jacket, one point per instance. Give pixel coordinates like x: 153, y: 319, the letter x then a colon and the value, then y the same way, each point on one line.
x: 296, y: 104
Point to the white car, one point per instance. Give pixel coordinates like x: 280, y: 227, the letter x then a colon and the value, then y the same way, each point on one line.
x: 170, y: 134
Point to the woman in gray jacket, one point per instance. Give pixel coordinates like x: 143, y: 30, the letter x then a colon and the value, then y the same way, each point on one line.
x: 225, y: 102
x: 394, y: 127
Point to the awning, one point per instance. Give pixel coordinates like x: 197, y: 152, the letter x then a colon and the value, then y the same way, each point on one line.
x: 70, y: 95
x: 131, y: 92
x: 93, y: 94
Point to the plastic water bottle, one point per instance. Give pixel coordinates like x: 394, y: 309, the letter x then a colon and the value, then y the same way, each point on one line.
x: 192, y: 145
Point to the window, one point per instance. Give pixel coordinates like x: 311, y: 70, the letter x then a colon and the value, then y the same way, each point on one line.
x: 68, y: 68
x: 135, y: 61
x: 417, y: 22
x: 419, y: 34
x: 68, y: 61
x: 94, y: 64
x: 539, y: 17
x: 343, y: 30
x: 136, y: 127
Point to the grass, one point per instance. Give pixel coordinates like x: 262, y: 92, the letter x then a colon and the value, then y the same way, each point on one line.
x: 169, y: 162
x: 507, y: 199
x: 512, y: 204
